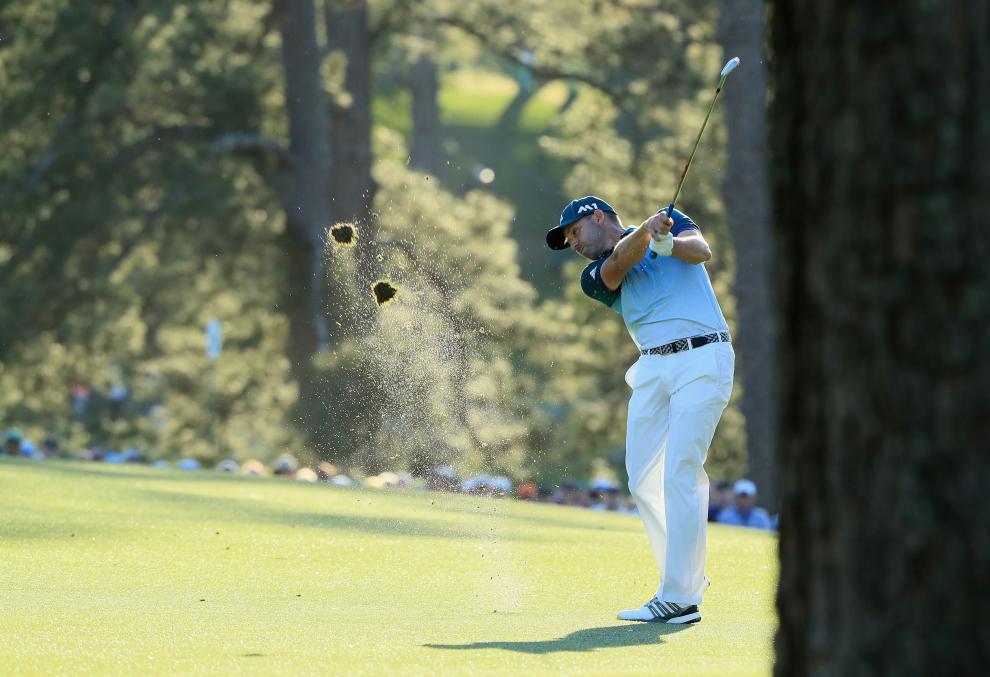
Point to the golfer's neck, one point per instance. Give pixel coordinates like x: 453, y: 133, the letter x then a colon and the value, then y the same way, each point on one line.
x: 614, y: 234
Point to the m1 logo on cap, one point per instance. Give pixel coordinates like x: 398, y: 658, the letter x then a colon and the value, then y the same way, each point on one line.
x: 588, y: 208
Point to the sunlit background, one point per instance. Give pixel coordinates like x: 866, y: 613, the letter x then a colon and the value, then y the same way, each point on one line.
x: 171, y: 166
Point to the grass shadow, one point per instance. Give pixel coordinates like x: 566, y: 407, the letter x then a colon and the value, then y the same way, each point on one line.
x: 96, y: 469
x: 574, y: 521
x: 237, y: 510
x: 589, y: 639
x: 242, y: 511
x: 233, y: 509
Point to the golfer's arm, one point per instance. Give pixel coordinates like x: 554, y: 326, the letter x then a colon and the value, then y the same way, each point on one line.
x: 626, y: 255
x: 689, y: 248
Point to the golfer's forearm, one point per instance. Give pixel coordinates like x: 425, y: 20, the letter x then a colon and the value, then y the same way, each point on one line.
x: 691, y: 249
x: 629, y: 252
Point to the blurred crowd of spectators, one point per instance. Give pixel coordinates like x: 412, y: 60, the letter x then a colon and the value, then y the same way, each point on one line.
x: 15, y: 445
x: 733, y: 504
x: 601, y: 494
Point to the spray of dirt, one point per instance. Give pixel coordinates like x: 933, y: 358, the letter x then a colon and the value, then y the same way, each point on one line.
x: 417, y: 376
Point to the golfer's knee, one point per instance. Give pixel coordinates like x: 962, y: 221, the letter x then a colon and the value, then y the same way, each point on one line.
x: 685, y: 475
x: 640, y: 489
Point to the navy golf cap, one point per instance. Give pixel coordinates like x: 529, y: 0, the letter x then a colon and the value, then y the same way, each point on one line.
x: 574, y: 211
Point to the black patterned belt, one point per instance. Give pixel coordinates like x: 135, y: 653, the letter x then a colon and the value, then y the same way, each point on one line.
x: 680, y: 345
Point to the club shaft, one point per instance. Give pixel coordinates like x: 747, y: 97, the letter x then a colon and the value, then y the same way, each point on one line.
x: 670, y: 209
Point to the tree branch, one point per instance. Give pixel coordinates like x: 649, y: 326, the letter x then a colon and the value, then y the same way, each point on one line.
x: 395, y: 18
x: 249, y: 141
x: 619, y: 95
x: 537, y: 71
x: 51, y: 151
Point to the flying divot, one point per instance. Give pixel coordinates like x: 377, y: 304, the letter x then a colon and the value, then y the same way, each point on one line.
x: 344, y: 234
x: 384, y: 292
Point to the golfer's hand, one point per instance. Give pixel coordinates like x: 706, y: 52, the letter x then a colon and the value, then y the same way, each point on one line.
x: 658, y: 225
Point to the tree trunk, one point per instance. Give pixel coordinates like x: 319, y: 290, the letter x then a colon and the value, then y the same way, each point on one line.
x: 305, y: 199
x: 747, y: 204
x: 881, y: 194
x: 351, y: 184
x: 426, y: 153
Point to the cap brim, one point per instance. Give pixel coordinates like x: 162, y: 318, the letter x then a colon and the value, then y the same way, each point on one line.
x: 556, y: 239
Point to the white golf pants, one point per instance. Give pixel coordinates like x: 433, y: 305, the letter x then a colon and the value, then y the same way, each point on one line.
x: 676, y: 403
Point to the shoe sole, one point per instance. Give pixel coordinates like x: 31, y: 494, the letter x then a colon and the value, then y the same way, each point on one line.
x: 690, y: 618
x: 678, y: 620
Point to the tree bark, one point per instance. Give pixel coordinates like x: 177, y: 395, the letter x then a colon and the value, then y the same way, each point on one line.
x: 426, y: 152
x: 746, y: 194
x: 881, y: 194
x: 304, y: 197
x: 351, y: 184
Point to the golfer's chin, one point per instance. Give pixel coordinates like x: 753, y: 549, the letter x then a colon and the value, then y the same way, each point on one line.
x: 583, y: 250
x: 589, y: 253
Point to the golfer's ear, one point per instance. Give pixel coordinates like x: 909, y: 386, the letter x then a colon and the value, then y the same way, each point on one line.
x: 600, y: 217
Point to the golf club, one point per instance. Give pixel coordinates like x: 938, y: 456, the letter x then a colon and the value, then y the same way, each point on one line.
x: 729, y: 67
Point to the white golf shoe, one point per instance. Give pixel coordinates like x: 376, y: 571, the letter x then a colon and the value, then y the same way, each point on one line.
x: 656, y: 611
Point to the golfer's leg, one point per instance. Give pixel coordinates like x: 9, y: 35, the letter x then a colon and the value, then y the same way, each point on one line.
x: 646, y: 433
x: 695, y: 409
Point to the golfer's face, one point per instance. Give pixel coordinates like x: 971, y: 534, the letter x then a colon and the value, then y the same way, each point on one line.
x: 585, y: 237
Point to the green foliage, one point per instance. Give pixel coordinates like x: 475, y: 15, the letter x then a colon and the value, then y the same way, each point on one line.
x: 121, y: 234
x: 126, y: 223
x: 442, y: 361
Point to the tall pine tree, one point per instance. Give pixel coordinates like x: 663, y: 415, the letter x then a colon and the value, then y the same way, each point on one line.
x: 881, y: 191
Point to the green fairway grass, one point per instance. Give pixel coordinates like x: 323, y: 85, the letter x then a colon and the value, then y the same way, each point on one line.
x: 128, y: 570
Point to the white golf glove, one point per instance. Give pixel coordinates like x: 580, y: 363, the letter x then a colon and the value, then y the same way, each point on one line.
x: 664, y: 246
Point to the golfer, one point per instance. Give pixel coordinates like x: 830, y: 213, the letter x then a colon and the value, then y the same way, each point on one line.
x: 653, y: 276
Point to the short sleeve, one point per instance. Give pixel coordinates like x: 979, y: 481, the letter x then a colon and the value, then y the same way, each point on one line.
x: 592, y: 285
x: 682, y: 222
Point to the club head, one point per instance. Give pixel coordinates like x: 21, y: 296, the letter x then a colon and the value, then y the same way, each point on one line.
x: 729, y: 66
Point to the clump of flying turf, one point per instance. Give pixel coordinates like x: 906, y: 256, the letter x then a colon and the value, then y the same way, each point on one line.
x: 384, y: 292
x: 344, y: 234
